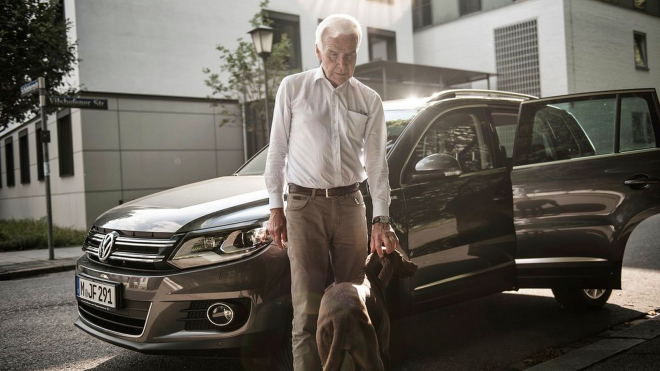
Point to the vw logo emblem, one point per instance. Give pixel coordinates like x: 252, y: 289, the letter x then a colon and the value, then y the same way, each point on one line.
x: 105, y: 248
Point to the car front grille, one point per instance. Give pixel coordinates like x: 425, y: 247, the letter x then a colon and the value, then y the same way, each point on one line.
x: 136, y: 250
x: 128, y: 320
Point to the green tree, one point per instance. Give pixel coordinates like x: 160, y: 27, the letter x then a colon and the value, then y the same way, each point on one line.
x: 33, y: 43
x: 245, y: 75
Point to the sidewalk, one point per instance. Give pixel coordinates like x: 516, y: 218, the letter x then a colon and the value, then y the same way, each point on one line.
x: 634, y: 348
x: 28, y: 263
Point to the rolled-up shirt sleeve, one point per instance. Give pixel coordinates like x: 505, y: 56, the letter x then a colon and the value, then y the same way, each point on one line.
x: 279, y: 147
x: 375, y: 158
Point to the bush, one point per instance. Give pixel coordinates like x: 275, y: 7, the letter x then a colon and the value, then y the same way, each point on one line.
x: 28, y: 234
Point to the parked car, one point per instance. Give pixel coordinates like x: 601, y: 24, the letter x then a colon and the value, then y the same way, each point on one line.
x: 491, y: 191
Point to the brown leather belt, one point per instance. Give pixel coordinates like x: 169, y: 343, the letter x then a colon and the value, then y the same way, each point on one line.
x: 329, y: 192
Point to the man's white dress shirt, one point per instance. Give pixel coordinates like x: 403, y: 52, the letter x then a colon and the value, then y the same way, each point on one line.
x: 326, y: 137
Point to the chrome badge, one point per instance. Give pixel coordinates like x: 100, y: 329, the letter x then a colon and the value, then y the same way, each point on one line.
x: 105, y: 247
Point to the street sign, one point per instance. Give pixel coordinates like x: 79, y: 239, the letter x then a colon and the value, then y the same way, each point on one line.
x: 78, y: 102
x: 29, y: 88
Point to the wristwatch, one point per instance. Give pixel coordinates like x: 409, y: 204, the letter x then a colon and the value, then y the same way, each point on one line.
x: 382, y: 219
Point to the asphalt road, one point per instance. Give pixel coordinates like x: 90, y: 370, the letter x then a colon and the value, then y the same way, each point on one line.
x: 498, y: 332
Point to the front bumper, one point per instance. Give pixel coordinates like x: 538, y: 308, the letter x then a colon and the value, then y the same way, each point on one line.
x: 165, y: 313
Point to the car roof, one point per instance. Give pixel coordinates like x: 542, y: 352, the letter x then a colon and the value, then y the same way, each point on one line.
x: 420, y: 102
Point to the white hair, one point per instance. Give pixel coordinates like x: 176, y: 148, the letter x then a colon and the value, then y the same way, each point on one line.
x: 336, y: 25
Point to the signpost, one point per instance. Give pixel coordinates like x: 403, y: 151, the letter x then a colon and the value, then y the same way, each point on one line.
x: 71, y: 102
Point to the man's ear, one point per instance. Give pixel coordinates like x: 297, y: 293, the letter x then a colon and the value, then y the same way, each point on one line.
x: 318, y: 52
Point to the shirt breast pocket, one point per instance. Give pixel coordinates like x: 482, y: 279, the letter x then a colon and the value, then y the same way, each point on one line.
x: 355, y: 122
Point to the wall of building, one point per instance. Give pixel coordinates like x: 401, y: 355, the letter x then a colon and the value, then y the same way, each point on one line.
x: 139, y: 146
x: 448, y: 10
x: 67, y: 192
x: 159, y: 47
x: 600, y: 44
x: 469, y: 43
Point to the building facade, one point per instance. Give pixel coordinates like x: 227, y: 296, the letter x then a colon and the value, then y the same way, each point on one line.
x: 544, y: 47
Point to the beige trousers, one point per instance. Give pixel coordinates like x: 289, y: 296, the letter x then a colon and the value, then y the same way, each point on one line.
x: 321, y: 231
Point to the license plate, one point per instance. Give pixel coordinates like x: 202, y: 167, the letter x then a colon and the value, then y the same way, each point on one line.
x: 96, y: 292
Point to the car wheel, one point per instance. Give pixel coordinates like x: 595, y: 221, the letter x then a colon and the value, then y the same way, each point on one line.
x: 578, y: 299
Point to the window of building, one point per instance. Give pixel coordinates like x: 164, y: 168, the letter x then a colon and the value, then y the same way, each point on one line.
x: 288, y: 24
x: 65, y: 145
x: 24, y: 156
x: 40, y: 152
x: 422, y: 13
x: 469, y: 6
x: 382, y: 45
x: 9, y: 162
x: 517, y: 58
x: 640, y: 51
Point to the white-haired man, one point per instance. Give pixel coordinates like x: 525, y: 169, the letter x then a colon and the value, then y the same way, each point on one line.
x: 328, y: 135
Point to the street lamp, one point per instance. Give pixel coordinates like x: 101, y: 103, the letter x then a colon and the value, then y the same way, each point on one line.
x: 262, y: 37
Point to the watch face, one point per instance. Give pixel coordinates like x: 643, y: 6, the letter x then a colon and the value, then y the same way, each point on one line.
x: 382, y: 219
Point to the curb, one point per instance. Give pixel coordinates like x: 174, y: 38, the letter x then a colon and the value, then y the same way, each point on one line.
x: 24, y: 272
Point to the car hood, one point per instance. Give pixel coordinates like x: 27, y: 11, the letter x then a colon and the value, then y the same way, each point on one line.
x: 206, y: 204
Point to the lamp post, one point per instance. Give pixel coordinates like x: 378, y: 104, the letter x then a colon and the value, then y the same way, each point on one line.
x: 262, y: 37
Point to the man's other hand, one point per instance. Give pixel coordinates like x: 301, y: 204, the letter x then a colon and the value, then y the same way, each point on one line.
x: 382, y: 234
x: 277, y: 227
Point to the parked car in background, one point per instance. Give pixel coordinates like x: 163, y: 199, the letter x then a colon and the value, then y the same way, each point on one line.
x: 491, y: 191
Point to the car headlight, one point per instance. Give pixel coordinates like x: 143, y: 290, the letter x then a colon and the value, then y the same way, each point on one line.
x: 220, y: 247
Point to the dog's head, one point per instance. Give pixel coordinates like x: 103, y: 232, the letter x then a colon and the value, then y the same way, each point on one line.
x: 391, y: 265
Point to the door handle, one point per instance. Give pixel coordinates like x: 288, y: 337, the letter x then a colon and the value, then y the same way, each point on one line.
x: 640, y: 181
x: 501, y: 196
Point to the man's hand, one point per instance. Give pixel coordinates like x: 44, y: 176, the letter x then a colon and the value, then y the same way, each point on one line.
x: 383, y: 234
x: 277, y: 227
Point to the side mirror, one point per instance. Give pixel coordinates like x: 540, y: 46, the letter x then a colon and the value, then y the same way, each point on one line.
x: 436, y: 166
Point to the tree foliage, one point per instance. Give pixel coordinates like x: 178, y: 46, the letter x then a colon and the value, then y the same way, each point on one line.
x: 33, y: 44
x: 244, y: 72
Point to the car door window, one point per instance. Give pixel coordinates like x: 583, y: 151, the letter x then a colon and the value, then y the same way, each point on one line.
x: 636, y: 127
x: 505, y: 127
x: 460, y: 134
x: 585, y: 126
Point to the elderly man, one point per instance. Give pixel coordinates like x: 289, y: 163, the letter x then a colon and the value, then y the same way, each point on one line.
x: 328, y: 135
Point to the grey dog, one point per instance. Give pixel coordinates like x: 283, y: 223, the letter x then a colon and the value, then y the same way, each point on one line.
x: 354, y: 319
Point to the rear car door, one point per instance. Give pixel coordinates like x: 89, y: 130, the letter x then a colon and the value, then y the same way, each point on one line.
x: 459, y: 213
x: 586, y: 172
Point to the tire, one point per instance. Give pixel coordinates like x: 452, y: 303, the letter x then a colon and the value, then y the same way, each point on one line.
x: 579, y: 299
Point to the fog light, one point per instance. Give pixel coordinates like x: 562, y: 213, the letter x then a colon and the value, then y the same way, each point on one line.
x: 220, y: 314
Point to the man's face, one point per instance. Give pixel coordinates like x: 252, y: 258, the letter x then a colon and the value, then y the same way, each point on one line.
x: 338, y: 58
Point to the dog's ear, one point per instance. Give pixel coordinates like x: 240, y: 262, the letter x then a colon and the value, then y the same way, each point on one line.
x: 402, y: 267
x: 373, y: 266
x: 385, y: 275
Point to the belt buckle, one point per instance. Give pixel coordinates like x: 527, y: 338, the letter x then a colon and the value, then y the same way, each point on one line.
x: 327, y: 195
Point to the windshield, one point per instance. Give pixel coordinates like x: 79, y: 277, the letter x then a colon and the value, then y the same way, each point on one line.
x: 396, y: 121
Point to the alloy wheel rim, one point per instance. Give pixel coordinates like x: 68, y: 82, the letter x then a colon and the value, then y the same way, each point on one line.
x: 594, y: 293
